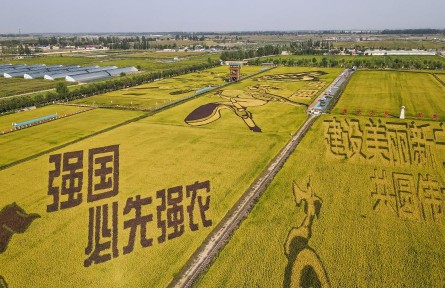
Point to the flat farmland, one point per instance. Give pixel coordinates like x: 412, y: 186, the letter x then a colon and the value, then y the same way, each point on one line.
x: 7, y: 120
x: 14, y: 86
x: 440, y: 76
x: 387, y: 91
x: 164, y: 91
x: 155, y: 153
x: 24, y: 143
x: 374, y: 225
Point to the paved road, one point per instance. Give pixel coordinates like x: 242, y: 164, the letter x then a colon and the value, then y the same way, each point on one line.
x: 331, y: 90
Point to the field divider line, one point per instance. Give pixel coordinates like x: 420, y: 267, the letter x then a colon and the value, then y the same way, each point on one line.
x: 438, y: 79
x: 219, y: 237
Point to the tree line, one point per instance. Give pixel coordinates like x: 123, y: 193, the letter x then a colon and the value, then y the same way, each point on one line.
x: 246, y: 54
x: 414, y: 31
x: 63, y: 94
x: 375, y: 62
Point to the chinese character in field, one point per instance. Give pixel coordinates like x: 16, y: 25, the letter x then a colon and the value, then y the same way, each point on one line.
x: 432, y: 197
x: 192, y: 192
x: 66, y: 192
x: 406, y: 194
x: 376, y: 140
x: 175, y: 211
x: 439, y: 135
x: 399, y: 143
x: 355, y: 139
x: 337, y: 137
x: 382, y: 191
x: 161, y: 223
x: 103, y: 172
x: 171, y: 202
x: 421, y: 144
x: 345, y: 137
x: 102, y: 234
x: 137, y: 221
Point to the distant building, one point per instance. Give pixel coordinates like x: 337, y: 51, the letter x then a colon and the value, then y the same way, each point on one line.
x: 236, y: 63
x: 413, y: 52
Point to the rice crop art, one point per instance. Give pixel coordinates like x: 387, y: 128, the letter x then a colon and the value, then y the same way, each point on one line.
x: 254, y: 96
x: 305, y: 268
x: 13, y: 219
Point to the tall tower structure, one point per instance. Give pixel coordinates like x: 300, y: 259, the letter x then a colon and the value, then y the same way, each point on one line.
x: 234, y: 72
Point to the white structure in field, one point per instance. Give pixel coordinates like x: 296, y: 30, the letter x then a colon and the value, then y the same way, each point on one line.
x: 413, y: 52
x: 402, y: 113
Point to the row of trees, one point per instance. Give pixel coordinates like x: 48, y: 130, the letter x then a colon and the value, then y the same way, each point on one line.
x: 246, y: 54
x: 63, y: 94
x: 414, y: 31
x: 16, y: 49
x: 115, y: 42
x: 368, y: 62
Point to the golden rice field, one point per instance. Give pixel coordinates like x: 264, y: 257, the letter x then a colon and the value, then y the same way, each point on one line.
x: 387, y: 91
x: 162, y: 92
x: 24, y: 143
x: 381, y: 221
x: 7, y: 120
x: 441, y: 76
x: 215, y: 144
x: 302, y: 89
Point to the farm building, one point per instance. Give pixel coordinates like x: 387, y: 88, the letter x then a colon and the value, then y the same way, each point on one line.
x: 72, y: 73
x: 101, y: 69
x: 98, y: 75
x: 118, y: 71
x: 20, y: 70
x: 17, y: 73
x: 413, y: 52
x: 69, y: 72
x: 40, y: 73
x: 87, y: 77
x: 63, y: 74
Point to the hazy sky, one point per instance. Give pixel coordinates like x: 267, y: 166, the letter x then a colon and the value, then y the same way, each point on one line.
x: 224, y: 15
